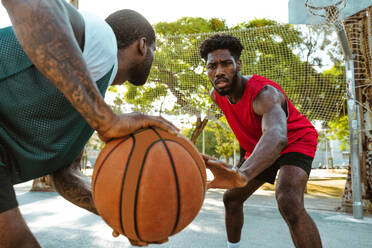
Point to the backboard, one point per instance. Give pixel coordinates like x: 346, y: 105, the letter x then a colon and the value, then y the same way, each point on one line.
x: 298, y: 14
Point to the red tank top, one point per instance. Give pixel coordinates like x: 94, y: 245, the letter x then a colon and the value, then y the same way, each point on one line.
x: 246, y: 125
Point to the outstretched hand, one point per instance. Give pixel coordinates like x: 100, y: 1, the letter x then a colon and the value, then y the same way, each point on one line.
x: 225, y: 176
x: 126, y: 124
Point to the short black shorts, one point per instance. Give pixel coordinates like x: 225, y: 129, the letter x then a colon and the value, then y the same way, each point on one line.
x: 292, y: 158
x: 8, y: 198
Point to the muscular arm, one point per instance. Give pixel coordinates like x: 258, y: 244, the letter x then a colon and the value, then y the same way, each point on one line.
x: 242, y: 156
x: 75, y: 187
x: 46, y: 30
x: 270, y: 104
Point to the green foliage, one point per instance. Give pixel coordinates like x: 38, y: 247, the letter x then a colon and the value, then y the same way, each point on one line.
x: 219, y: 141
x: 225, y: 140
x: 190, y: 25
x: 256, y: 23
x: 178, y: 84
x: 339, y: 129
x: 177, y: 73
x: 210, y: 142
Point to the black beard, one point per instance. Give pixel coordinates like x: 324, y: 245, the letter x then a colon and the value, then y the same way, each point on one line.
x: 140, y: 72
x: 229, y: 90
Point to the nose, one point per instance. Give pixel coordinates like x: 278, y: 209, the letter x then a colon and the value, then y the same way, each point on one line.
x: 219, y: 71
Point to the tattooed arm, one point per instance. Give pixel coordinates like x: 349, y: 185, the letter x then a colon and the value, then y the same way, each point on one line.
x: 74, y: 186
x: 45, y: 29
x: 50, y: 32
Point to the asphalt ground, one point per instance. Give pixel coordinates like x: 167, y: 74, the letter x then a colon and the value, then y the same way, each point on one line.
x: 56, y: 223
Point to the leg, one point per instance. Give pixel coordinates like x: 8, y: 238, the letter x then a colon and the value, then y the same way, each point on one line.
x: 290, y: 197
x: 234, y: 200
x: 14, y: 232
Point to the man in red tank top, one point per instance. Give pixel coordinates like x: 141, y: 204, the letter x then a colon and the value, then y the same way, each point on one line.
x: 272, y: 135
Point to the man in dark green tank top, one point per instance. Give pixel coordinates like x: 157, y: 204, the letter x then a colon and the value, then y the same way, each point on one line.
x: 51, y: 97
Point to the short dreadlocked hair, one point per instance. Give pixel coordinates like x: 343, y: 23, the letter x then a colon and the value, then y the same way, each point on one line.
x: 221, y: 41
x: 129, y: 26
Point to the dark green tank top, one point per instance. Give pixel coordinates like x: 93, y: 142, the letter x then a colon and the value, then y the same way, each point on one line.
x: 40, y: 131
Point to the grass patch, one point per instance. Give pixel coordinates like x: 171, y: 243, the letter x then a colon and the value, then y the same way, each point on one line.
x: 327, y: 187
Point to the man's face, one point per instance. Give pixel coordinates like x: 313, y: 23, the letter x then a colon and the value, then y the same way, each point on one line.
x: 222, y: 71
x: 140, y: 72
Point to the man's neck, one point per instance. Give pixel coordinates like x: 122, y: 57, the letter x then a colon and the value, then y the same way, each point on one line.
x: 238, y: 91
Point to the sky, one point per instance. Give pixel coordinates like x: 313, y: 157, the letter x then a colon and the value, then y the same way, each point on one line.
x: 233, y: 11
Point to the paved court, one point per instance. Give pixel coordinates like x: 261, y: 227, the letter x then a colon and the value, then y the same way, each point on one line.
x: 58, y: 224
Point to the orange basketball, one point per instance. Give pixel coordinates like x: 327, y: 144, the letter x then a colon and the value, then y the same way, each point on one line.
x: 149, y: 185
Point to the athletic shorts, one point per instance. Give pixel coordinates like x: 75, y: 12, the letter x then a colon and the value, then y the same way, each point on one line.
x: 7, y: 195
x: 292, y: 158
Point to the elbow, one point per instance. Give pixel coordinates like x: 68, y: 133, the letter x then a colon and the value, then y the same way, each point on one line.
x: 279, y: 138
x: 282, y: 142
x: 5, y: 3
x: 276, y: 139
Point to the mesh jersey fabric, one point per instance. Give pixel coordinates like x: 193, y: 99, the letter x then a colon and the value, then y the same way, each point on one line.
x: 247, y: 125
x: 40, y: 131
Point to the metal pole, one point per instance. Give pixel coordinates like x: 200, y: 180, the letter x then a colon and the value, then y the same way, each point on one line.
x: 354, y: 127
x: 354, y: 122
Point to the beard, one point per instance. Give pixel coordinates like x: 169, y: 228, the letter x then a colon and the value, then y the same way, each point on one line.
x: 140, y: 72
x: 228, y: 90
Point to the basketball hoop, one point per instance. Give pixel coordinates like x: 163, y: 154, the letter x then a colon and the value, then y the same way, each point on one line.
x: 329, y: 11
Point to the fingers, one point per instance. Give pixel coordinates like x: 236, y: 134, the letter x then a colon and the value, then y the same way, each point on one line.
x: 137, y: 242
x: 211, y: 185
x: 216, y: 165
x: 162, y: 123
x: 206, y: 157
x: 115, y: 234
x: 104, y: 139
x: 160, y: 242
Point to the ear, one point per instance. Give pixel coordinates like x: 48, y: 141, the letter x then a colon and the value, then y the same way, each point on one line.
x: 142, y: 46
x: 239, y: 64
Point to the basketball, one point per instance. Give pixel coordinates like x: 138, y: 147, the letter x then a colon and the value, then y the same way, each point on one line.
x: 149, y: 185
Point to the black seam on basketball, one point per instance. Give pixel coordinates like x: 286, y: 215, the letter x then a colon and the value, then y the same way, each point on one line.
x: 104, y: 160
x: 201, y: 173
x: 122, y: 184
x: 137, y: 188
x: 196, y: 163
x: 178, y: 187
x: 175, y: 178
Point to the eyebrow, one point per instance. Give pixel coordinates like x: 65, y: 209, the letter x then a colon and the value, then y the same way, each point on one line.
x: 215, y: 62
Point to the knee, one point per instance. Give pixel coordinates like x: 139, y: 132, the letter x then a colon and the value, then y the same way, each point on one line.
x: 232, y: 202
x: 290, y: 206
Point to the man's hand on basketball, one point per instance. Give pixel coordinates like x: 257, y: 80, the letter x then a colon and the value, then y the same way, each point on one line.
x: 143, y: 243
x: 225, y: 176
x: 133, y: 242
x: 126, y: 124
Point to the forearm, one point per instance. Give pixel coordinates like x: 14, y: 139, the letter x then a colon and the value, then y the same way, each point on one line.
x: 44, y: 31
x: 265, y: 153
x: 75, y: 187
x: 242, y: 156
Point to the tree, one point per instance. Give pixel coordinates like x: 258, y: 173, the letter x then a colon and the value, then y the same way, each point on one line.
x: 177, y: 71
x: 210, y: 141
x: 226, y: 145
x: 178, y: 84
x: 219, y: 139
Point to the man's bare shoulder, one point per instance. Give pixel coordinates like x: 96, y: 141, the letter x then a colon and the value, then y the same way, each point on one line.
x: 266, y: 98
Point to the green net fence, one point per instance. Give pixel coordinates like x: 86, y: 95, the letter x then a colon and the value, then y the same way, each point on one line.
x: 304, y: 60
